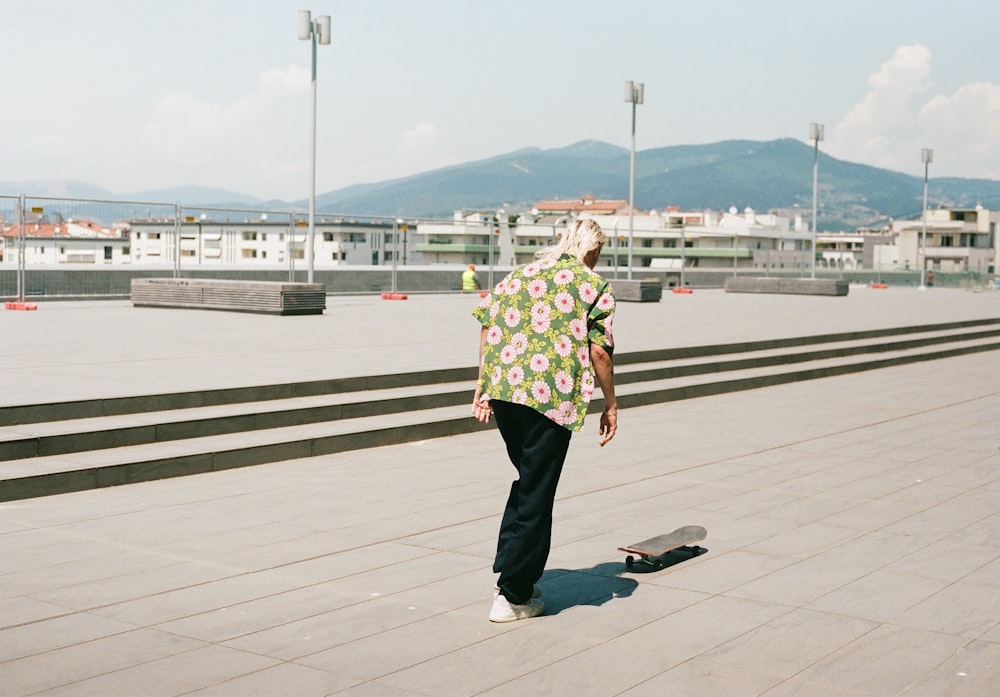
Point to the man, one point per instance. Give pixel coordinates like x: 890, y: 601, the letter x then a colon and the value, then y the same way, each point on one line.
x: 470, y: 279
x: 545, y: 342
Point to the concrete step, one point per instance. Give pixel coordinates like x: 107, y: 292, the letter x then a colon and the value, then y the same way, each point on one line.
x: 119, y: 430
x: 235, y: 434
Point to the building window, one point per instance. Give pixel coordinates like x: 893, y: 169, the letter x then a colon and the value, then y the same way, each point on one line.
x: 249, y: 236
x: 249, y: 253
x: 107, y: 253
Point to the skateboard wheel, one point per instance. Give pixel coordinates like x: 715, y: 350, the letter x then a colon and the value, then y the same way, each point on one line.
x: 629, y: 562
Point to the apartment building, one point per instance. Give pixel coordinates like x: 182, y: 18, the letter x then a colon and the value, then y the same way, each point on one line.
x: 955, y: 240
x: 61, y: 241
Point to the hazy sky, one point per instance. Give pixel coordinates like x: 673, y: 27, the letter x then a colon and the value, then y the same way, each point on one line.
x: 143, y: 94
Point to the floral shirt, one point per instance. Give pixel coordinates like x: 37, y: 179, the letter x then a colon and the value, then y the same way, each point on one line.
x: 541, y: 320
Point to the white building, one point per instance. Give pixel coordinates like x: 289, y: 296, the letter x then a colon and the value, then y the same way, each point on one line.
x: 958, y: 240
x: 63, y: 242
x: 205, y: 242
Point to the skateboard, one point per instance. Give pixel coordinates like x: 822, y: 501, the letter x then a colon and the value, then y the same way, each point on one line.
x: 652, y: 551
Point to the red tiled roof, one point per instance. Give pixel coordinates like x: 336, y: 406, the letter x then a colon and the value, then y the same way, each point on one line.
x: 50, y: 230
x: 587, y: 204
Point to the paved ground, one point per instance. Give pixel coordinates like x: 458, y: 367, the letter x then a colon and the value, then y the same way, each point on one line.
x: 854, y: 522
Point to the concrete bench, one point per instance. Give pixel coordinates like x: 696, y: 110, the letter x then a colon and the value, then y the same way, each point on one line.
x: 790, y: 286
x: 268, y: 297
x: 640, y: 291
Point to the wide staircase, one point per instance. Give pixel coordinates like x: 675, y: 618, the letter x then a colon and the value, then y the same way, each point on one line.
x: 48, y: 449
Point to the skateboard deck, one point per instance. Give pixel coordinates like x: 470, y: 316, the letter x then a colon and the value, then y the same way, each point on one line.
x: 652, y: 551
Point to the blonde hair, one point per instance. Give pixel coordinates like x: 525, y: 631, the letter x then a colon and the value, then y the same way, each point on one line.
x: 581, y: 236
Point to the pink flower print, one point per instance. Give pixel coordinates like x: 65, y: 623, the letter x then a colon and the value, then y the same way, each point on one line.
x: 546, y: 263
x: 537, y: 287
x: 519, y: 397
x: 554, y: 415
x: 567, y: 412
x: 501, y: 287
x: 564, y: 382
x: 541, y: 392
x: 496, y: 375
x: 588, y: 293
x: 519, y: 342
x: 539, y: 363
x: 486, y: 301
x: 564, y: 346
x: 515, y: 375
x: 607, y: 302
x: 587, y: 385
x: 494, y: 309
x: 493, y: 335
x: 578, y: 328
x: 514, y: 286
x: 531, y: 269
x: 563, y: 277
x: 508, y: 354
x: 583, y: 355
x: 540, y: 324
x: 564, y: 302
x: 512, y: 316
x: 541, y: 309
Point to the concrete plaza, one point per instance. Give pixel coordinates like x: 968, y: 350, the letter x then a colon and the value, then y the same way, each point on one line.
x: 853, y: 522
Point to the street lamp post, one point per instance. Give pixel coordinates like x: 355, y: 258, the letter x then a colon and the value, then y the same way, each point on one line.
x: 395, y: 248
x: 634, y: 96
x: 317, y: 30
x: 815, y: 135
x: 926, y: 156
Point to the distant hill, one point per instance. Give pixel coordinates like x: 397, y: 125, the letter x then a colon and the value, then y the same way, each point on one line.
x: 763, y: 175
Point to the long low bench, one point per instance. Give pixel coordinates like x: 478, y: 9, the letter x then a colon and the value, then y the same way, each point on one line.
x: 268, y: 297
x: 791, y: 286
x: 637, y: 291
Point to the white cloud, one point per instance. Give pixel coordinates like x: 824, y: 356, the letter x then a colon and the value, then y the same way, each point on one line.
x: 897, y: 117
x: 964, y: 127
x: 236, y: 144
x: 872, y: 129
x: 419, y: 139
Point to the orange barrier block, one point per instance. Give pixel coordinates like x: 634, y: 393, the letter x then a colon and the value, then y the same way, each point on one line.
x: 685, y: 291
x: 484, y: 294
x: 20, y: 306
x: 880, y: 286
x: 394, y: 296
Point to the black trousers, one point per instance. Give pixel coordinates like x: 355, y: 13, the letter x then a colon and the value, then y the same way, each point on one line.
x: 537, y: 447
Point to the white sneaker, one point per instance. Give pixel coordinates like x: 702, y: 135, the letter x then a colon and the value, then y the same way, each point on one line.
x: 536, y: 592
x: 504, y: 611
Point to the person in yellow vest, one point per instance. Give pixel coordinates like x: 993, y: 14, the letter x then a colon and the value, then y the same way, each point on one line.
x: 470, y: 279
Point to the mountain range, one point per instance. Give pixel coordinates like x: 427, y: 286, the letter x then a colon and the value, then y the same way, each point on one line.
x: 763, y: 175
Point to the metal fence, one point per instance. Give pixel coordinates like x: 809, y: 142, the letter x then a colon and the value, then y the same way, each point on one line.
x: 69, y: 247
x: 81, y: 248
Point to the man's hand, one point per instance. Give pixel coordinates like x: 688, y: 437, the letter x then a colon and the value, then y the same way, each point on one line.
x: 609, y: 426
x: 481, y: 409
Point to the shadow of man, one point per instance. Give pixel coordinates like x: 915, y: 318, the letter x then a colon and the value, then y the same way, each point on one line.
x: 566, y: 588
